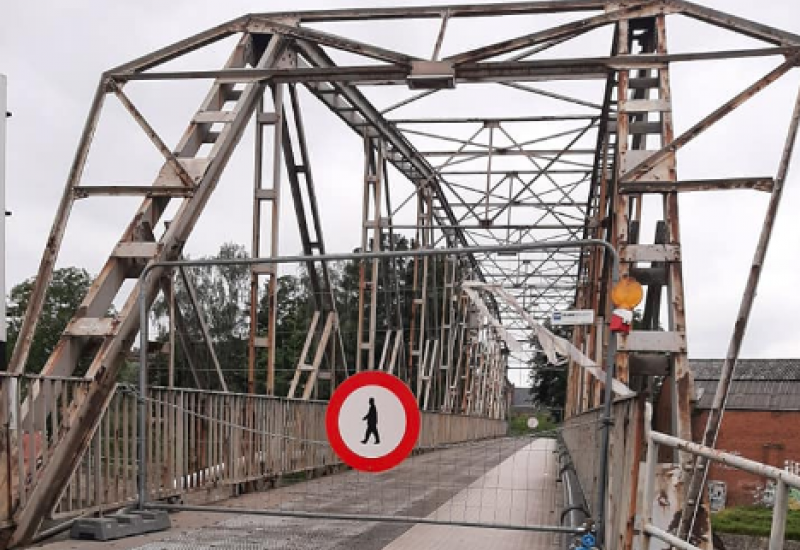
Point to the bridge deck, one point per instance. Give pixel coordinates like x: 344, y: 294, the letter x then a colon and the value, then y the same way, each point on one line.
x: 491, y: 482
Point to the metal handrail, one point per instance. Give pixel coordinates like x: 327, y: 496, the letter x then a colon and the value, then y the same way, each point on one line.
x: 782, y: 478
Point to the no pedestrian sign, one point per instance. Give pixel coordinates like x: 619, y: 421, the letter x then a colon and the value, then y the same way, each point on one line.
x: 372, y: 421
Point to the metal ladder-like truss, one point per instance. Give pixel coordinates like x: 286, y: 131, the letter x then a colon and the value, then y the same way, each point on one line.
x: 453, y: 352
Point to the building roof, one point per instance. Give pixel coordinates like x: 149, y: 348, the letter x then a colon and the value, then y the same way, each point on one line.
x: 758, y: 384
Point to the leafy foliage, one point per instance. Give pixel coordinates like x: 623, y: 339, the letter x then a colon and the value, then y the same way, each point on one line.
x: 548, y: 381
x: 223, y: 298
x: 754, y: 521
x: 64, y: 295
x: 223, y: 293
x: 518, y: 424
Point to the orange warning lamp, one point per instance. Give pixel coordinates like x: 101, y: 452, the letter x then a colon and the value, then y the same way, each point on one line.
x: 627, y: 293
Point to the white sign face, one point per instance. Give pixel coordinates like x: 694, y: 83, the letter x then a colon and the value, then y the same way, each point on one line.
x: 573, y: 317
x: 533, y: 422
x: 372, y: 436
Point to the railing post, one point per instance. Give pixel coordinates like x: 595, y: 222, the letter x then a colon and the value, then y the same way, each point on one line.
x: 778, y: 531
x: 140, y: 398
x: 645, y: 513
x: 608, y: 421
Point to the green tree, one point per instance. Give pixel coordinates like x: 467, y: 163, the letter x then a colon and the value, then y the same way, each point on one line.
x: 223, y: 298
x: 548, y: 381
x: 394, y: 296
x: 295, y: 310
x: 64, y: 295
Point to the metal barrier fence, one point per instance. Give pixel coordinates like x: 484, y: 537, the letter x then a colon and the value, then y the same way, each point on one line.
x: 199, y: 442
x: 37, y: 416
x: 105, y: 479
x: 295, y: 337
x: 422, y: 314
x: 647, y: 522
x: 582, y: 435
x: 639, y: 490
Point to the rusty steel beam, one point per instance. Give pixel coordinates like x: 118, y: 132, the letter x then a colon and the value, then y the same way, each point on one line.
x: 169, y: 156
x: 86, y: 191
x: 391, y: 74
x: 687, y: 186
x: 85, y: 410
x: 507, y: 151
x: 181, y: 47
x: 435, y: 12
x: 589, y: 68
x: 650, y: 162
x: 490, y: 120
x: 736, y: 24
x: 714, y: 419
x: 266, y: 26
x: 566, y: 30
x: 45, y: 274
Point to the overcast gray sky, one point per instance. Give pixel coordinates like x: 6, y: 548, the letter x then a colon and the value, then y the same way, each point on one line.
x: 53, y: 53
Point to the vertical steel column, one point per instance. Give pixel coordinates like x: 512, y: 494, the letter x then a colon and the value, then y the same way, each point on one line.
x: 620, y: 236
x: 371, y: 237
x: 255, y: 246
x: 779, y: 512
x: 452, y: 401
x: 651, y: 461
x: 682, y: 390
x: 272, y: 195
x: 447, y: 332
x: 141, y: 417
x: 170, y: 290
x: 277, y: 154
x: 419, y: 302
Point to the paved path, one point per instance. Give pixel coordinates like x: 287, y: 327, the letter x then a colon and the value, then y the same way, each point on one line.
x: 499, y: 481
x: 521, y: 490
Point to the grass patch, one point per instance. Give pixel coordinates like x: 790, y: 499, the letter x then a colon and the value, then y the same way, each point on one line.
x: 518, y: 424
x: 754, y: 521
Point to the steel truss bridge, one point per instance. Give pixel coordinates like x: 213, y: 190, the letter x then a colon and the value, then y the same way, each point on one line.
x: 510, y: 140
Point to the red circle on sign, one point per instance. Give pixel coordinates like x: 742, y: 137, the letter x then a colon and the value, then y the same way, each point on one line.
x: 406, y: 398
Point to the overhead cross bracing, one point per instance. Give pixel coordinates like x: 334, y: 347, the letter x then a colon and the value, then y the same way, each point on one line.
x: 468, y: 140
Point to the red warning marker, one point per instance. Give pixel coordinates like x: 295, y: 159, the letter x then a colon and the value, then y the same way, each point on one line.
x: 372, y: 421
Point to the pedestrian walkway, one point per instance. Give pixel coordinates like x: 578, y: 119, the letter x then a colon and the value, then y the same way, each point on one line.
x: 510, y: 481
x: 520, y: 490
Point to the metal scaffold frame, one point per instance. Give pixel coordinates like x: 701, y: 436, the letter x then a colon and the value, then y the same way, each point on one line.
x: 584, y: 181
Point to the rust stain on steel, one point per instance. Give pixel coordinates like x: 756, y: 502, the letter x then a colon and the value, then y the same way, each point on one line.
x: 648, y: 164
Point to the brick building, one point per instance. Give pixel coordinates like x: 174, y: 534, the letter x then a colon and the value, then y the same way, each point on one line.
x: 761, y: 422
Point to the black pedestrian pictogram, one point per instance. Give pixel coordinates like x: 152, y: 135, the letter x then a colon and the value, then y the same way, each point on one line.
x: 372, y: 423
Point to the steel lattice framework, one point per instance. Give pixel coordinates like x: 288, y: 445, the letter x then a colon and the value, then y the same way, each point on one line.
x: 489, y: 171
